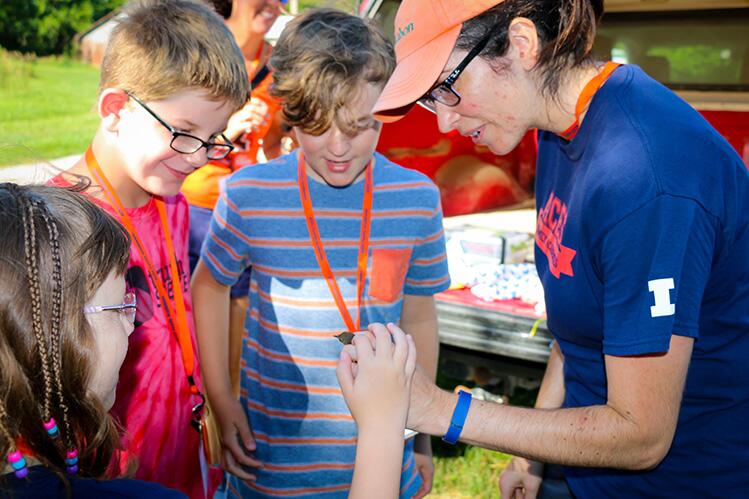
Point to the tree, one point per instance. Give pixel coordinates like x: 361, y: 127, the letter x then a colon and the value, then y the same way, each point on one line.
x: 48, y: 26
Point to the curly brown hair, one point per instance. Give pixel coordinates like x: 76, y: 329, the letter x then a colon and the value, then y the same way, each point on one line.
x: 56, y: 251
x: 321, y: 61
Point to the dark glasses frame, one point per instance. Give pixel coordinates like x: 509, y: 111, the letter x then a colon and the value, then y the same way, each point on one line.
x: 214, y: 150
x: 444, y: 92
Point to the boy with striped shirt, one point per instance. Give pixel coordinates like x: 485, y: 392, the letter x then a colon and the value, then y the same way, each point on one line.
x: 337, y: 237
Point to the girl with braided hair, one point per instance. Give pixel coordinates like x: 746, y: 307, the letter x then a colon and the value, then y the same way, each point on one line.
x: 65, y: 319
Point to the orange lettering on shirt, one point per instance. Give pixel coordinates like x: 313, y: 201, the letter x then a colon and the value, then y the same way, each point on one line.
x: 549, y: 232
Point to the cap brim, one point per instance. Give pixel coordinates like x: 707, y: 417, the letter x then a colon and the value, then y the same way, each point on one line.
x: 414, y: 76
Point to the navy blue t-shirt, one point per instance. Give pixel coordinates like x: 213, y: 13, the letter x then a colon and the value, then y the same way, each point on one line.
x: 42, y: 482
x: 643, y: 232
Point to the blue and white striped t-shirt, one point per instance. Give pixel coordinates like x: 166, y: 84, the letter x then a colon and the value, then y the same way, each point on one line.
x: 305, y: 434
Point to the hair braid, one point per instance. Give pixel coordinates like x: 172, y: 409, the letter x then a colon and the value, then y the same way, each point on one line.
x: 55, y: 338
x: 32, y: 272
x: 14, y: 458
x: 59, y: 250
x: 4, y: 431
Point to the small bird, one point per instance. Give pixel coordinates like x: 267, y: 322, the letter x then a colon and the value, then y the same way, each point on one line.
x: 345, y: 337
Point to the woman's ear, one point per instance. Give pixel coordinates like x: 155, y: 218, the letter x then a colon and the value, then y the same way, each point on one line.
x: 524, y: 42
x: 111, y: 102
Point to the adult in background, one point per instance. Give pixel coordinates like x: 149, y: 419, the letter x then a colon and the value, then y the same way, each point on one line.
x: 641, y: 243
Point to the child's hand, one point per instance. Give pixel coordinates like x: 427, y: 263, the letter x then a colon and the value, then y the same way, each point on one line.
x: 252, y: 117
x: 237, y: 441
x: 377, y: 388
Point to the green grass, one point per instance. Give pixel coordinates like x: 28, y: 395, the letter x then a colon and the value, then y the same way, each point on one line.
x: 463, y: 471
x: 46, y: 108
x: 346, y: 5
x: 466, y: 472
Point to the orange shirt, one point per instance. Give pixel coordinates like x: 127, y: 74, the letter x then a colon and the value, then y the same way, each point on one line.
x: 201, y: 188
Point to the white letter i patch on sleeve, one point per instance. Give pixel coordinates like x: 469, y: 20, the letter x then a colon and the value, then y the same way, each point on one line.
x: 661, y: 292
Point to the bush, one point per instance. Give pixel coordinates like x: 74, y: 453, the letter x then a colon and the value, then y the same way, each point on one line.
x: 16, y: 67
x: 46, y: 27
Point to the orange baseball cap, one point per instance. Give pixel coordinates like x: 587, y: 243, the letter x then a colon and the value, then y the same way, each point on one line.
x: 425, y: 35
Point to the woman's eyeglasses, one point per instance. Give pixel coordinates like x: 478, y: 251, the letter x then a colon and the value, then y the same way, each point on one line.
x: 127, y: 308
x: 444, y: 92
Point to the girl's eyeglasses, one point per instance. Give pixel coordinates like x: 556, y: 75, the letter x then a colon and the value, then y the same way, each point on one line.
x: 127, y: 307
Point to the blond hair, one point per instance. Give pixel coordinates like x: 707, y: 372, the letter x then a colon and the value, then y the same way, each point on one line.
x: 162, y: 47
x: 320, y: 63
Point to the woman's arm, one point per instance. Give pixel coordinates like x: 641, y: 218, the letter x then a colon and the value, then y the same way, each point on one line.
x: 633, y: 430
x: 524, y: 474
x: 419, y: 318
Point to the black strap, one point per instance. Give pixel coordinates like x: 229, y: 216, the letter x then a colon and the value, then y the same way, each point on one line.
x: 259, y: 76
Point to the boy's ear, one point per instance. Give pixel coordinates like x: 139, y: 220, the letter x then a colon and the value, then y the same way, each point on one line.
x: 111, y: 102
x: 524, y: 41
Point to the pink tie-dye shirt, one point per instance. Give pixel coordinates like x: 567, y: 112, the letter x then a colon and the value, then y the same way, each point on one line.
x: 154, y: 401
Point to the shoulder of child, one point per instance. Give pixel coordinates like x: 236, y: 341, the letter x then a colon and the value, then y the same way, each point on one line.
x: 280, y: 168
x: 395, y: 175
x: 43, y: 482
x: 123, y: 488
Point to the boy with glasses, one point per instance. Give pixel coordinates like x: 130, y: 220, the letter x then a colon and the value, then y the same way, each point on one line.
x: 171, y: 77
x: 337, y: 237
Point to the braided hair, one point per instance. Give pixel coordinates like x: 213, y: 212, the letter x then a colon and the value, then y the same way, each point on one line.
x: 46, y: 344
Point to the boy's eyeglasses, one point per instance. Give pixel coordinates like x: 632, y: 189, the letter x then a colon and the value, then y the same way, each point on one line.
x: 127, y: 308
x: 443, y: 92
x: 188, y: 144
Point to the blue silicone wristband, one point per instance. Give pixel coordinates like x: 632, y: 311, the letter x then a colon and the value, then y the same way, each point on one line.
x: 459, y: 417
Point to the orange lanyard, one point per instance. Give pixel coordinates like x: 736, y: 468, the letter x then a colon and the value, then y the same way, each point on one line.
x: 180, y: 326
x: 317, y: 245
x: 257, y: 61
x: 586, y: 96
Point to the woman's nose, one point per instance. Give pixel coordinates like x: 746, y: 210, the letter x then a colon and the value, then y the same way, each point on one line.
x: 447, y: 118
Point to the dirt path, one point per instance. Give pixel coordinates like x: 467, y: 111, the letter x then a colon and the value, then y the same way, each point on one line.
x: 36, y: 172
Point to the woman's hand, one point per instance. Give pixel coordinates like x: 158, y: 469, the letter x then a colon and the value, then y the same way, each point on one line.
x: 521, y: 479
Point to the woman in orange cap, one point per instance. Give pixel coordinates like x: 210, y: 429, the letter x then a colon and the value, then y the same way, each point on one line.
x: 641, y: 226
